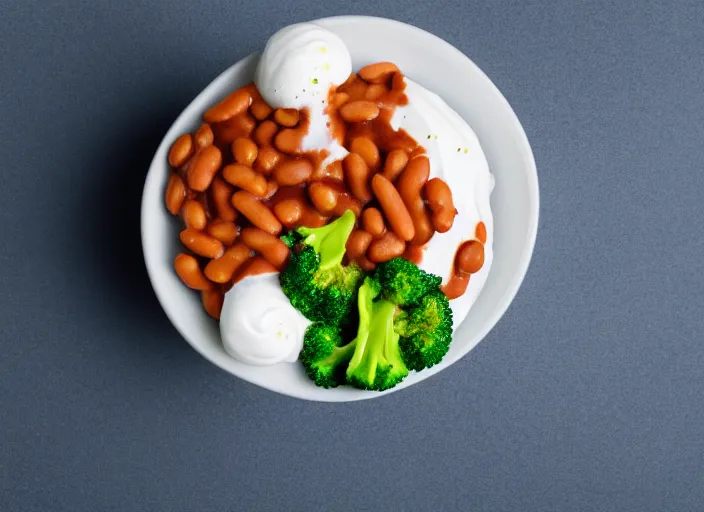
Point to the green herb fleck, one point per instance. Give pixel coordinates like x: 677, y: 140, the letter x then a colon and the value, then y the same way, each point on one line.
x: 314, y: 81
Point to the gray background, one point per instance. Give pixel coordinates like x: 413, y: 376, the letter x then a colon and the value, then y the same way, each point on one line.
x: 587, y: 396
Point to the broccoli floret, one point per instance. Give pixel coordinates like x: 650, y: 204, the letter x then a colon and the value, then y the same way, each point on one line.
x: 403, y: 283
x: 315, y: 281
x: 425, y: 331
x: 324, y: 356
x: 377, y: 363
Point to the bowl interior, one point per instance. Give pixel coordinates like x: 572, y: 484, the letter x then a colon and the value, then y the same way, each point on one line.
x: 442, y: 69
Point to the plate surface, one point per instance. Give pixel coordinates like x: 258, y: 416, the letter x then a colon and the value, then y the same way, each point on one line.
x: 439, y: 67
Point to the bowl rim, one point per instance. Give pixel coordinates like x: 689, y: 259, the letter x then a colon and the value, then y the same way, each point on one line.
x: 503, y: 303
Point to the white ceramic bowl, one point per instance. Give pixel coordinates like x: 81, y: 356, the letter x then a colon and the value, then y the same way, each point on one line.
x: 439, y: 67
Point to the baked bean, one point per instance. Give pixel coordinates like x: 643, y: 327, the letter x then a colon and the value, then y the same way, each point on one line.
x: 339, y: 99
x: 222, y: 269
x: 385, y: 248
x: 398, y: 82
x: 289, y: 211
x: 439, y: 198
x: 204, y: 136
x: 260, y: 110
x: 293, y: 172
x: 267, y: 160
x: 245, y: 151
x: 354, y: 87
x: 239, y: 126
x: 357, y: 174
x: 223, y: 230
x: 374, y: 92
x: 175, y: 193
x: 312, y: 218
x: 232, y: 105
x: 287, y: 117
x: 245, y: 178
x: 358, y: 243
x: 201, y: 244
x: 331, y: 171
x: 212, y: 302
x: 373, y: 222
x: 395, y: 163
x: 470, y: 257
x: 480, y: 232
x: 456, y: 286
x: 254, y: 267
x: 256, y: 212
x: 222, y: 197
x: 193, y: 214
x: 289, y: 141
x: 409, y: 185
x: 187, y: 268
x: 365, y: 148
x: 202, y: 170
x: 274, y: 250
x: 180, y: 150
x: 271, y: 188
x: 393, y: 207
x: 378, y: 73
x: 347, y: 202
x: 264, y: 133
x: 359, y: 111
x: 323, y: 196
x: 365, y: 264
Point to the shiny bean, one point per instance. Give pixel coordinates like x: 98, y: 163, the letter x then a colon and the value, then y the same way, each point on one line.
x: 470, y: 257
x: 410, y: 185
x: 387, y: 247
x: 245, y: 151
x: 222, y: 197
x: 175, y: 194
x: 439, y: 198
x: 286, y: 117
x: 245, y: 178
x: 365, y: 148
x: 202, y: 170
x: 358, y: 243
x: 266, y: 160
x: 260, y: 110
x: 359, y: 111
x: 393, y: 207
x: 232, y: 105
x: 189, y: 271
x: 293, y: 172
x: 180, y: 150
x: 222, y: 269
x: 289, y: 141
x: 256, y: 212
x: 323, y: 196
x: 204, y: 136
x: 274, y: 250
x: 395, y: 163
x: 256, y: 265
x: 223, y: 230
x: 193, y: 214
x: 373, y: 222
x: 480, y: 232
x: 289, y: 211
x: 357, y: 174
x: 264, y: 133
x: 201, y: 244
x: 378, y: 73
x: 239, y: 126
x: 212, y: 302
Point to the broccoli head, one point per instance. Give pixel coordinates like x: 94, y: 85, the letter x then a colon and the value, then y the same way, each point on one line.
x: 376, y: 363
x: 324, y: 355
x: 315, y: 280
x: 403, y: 283
x: 425, y: 331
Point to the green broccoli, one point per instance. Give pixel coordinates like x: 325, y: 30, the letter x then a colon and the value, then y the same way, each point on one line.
x: 403, y: 283
x: 377, y: 363
x: 315, y: 281
x: 324, y: 356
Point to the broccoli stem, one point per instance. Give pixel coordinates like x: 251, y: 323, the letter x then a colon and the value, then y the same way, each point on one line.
x: 329, y: 241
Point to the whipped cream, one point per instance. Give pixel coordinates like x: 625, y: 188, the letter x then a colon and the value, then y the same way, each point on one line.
x: 258, y: 325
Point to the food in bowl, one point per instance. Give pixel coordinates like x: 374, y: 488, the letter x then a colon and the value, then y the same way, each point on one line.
x: 334, y: 218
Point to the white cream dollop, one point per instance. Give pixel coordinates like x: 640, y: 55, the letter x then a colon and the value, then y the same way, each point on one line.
x: 457, y: 158
x: 258, y: 324
x: 299, y: 65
